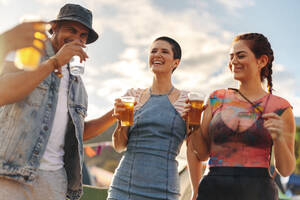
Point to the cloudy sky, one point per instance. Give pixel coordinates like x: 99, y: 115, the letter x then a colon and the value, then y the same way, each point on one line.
x: 204, y: 29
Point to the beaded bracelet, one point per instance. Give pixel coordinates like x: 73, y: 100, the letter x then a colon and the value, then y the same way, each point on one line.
x: 56, y: 67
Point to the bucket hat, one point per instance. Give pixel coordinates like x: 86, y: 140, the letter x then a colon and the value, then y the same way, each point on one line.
x: 77, y: 13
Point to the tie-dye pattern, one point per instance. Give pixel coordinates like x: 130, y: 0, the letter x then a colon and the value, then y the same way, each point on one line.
x: 238, y: 138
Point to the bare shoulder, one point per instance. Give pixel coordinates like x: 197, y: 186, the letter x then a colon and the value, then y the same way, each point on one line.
x: 289, y: 119
x: 178, y: 96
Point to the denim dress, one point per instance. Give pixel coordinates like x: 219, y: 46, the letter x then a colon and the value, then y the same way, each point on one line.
x: 148, y: 169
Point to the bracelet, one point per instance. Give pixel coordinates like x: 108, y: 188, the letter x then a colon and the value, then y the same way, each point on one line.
x: 56, y: 67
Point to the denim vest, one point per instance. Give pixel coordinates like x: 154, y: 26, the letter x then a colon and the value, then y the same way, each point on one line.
x: 25, y: 127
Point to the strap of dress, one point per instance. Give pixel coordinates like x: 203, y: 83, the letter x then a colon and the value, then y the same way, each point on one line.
x: 171, y: 90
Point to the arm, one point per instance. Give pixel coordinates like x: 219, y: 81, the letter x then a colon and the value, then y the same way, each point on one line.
x: 199, y: 138
x: 198, y: 150
x: 95, y: 127
x: 194, y: 167
x: 120, y: 135
x: 17, y: 84
x: 282, y: 129
x: 120, y: 138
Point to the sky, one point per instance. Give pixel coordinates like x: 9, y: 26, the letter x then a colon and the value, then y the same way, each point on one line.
x: 204, y: 29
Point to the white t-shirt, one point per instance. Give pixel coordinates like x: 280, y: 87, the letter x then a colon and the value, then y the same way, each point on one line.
x: 53, y: 156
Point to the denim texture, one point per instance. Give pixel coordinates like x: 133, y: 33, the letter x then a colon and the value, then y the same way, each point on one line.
x: 25, y: 127
x: 148, y: 169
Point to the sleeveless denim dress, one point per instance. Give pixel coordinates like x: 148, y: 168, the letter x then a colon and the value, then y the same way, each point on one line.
x: 148, y: 169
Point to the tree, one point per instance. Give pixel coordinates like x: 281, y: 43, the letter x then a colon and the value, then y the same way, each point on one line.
x: 297, y: 150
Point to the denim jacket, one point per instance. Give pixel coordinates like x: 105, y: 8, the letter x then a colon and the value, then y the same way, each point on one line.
x: 25, y: 127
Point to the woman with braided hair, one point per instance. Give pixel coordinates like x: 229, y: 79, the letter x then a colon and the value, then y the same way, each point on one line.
x: 239, y: 128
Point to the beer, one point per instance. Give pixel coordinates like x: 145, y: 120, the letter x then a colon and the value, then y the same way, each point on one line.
x: 195, y: 112
x: 196, y: 100
x: 126, y: 116
x: 29, y: 58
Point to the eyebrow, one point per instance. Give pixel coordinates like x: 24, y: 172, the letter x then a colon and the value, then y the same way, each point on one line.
x: 239, y: 52
x: 164, y: 49
x: 69, y: 26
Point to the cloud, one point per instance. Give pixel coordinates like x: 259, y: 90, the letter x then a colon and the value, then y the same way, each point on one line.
x: 4, y: 2
x: 233, y: 5
x: 138, y: 23
x: 133, y: 25
x: 52, y: 2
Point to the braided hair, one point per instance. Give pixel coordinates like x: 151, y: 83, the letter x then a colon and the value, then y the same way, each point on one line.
x: 260, y: 45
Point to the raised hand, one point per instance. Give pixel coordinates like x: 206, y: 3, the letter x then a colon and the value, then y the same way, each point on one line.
x: 70, y: 49
x: 23, y: 35
x: 274, y: 124
x: 119, y: 106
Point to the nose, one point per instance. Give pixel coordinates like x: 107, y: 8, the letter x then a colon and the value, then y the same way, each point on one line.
x: 234, y: 60
x: 157, y: 53
x: 78, y: 39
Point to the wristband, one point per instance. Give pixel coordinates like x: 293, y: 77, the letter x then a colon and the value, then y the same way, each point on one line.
x: 56, y: 67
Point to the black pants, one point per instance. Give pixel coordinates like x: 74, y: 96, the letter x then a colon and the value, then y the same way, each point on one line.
x: 237, y: 183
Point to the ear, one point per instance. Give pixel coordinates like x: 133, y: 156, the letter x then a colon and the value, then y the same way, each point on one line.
x: 263, y: 61
x: 230, y: 67
x: 176, y: 63
x: 54, y: 28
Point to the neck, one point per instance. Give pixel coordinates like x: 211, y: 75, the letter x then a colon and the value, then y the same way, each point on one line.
x: 161, y: 84
x: 252, y: 89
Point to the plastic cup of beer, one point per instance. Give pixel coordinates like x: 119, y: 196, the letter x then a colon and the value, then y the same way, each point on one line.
x: 29, y: 58
x: 196, y: 99
x: 77, y: 67
x: 126, y: 116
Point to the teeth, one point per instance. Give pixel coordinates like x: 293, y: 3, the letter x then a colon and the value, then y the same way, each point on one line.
x: 157, y: 62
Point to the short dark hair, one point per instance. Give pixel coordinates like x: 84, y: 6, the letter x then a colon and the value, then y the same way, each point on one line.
x: 175, y: 46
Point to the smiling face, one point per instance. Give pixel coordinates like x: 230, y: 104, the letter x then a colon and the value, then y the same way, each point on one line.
x: 161, y: 58
x: 68, y: 31
x: 243, y: 62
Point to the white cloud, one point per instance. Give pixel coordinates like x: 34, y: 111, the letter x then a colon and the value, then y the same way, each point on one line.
x: 4, y: 2
x: 52, y: 2
x: 136, y: 24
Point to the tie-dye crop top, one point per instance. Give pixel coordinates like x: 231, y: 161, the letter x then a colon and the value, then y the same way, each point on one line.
x: 238, y: 138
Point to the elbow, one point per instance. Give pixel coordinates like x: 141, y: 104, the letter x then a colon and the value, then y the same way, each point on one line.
x: 119, y: 149
x: 199, y: 156
x: 3, y: 100
x: 287, y: 171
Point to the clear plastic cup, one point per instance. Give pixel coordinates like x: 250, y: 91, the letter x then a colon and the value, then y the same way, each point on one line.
x: 126, y: 116
x: 196, y: 99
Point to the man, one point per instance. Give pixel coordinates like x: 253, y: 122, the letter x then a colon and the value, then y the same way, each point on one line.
x: 42, y: 120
